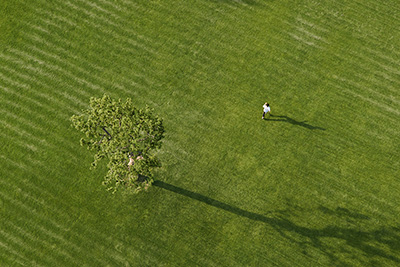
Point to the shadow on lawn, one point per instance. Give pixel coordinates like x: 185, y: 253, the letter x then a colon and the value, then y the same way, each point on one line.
x: 294, y: 122
x: 370, y: 243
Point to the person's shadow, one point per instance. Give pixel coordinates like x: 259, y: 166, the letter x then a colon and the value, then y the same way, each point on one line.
x: 293, y: 121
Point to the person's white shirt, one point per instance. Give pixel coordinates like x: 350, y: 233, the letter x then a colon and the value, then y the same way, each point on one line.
x: 266, y: 109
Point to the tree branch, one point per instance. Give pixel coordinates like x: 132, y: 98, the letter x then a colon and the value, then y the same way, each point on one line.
x: 104, y: 129
x: 101, y: 140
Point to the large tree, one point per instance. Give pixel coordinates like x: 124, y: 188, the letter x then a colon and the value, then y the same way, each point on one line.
x: 127, y: 136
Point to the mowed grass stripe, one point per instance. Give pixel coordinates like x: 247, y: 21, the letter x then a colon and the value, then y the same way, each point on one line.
x: 190, y: 21
x: 347, y: 190
x: 393, y: 78
x: 22, y: 245
x: 23, y: 134
x: 218, y: 47
x: 391, y: 59
x: 53, y: 230
x: 19, y: 102
x: 10, y: 256
x: 109, y: 29
x: 364, y: 67
x: 98, y: 67
x: 57, y: 256
x: 117, y: 31
x: 393, y: 112
x: 372, y: 11
x: 381, y: 119
x: 381, y: 62
x: 54, y: 139
x: 29, y: 206
x: 372, y: 86
x: 175, y: 252
x: 33, y: 53
x: 20, y: 80
x: 387, y: 117
x: 45, y: 76
x: 95, y: 83
x: 86, y: 236
x: 15, y: 245
x: 341, y: 18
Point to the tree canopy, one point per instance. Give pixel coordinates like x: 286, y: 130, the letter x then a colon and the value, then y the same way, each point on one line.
x: 127, y: 136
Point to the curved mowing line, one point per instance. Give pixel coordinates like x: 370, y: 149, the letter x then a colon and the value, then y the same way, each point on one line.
x: 377, y: 103
x: 95, y: 7
x: 24, y: 145
x: 311, y: 25
x: 189, y: 12
x: 311, y: 35
x: 28, y: 111
x: 26, y: 156
x: 304, y: 32
x: 46, y: 175
x: 144, y: 9
x: 367, y: 196
x: 184, y: 31
x: 46, y: 64
x: 341, y: 20
x: 119, y: 7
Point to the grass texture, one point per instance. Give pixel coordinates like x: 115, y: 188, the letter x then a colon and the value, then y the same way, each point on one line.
x: 315, y: 184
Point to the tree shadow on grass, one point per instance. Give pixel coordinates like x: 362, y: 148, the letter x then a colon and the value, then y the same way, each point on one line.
x: 370, y: 243
x: 294, y: 122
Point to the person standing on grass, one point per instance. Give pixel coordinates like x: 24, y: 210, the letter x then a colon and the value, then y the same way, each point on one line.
x: 266, y: 109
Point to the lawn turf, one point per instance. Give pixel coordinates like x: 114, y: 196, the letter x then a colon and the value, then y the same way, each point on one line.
x: 314, y: 184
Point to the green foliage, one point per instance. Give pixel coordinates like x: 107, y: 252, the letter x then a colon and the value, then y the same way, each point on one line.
x: 126, y: 136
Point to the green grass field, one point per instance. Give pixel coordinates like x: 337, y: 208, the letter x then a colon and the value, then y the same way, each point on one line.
x: 316, y: 184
